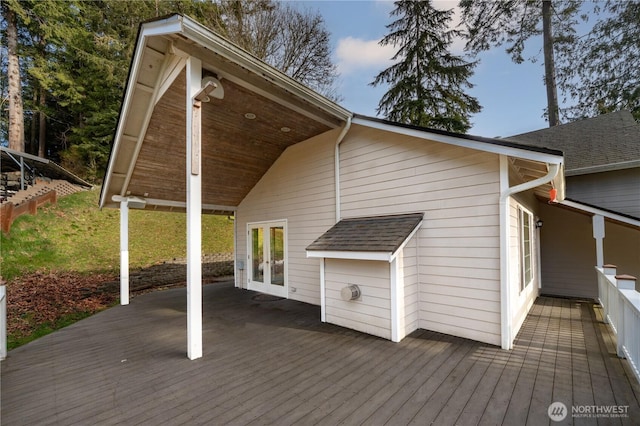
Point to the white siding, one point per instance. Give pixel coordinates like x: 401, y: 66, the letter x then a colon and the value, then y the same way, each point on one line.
x: 617, y: 190
x: 299, y: 187
x: 371, y: 313
x: 458, y: 246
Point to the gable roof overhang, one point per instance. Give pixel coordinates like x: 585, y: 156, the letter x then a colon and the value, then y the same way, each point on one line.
x: 367, y: 238
x: 148, y: 154
x: 526, y: 162
x: 590, y: 209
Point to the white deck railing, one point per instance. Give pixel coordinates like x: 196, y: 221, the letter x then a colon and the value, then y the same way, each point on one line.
x: 621, y: 309
x: 3, y: 322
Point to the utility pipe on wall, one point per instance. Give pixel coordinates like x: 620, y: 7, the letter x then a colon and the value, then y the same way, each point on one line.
x: 505, y: 193
x: 341, y: 136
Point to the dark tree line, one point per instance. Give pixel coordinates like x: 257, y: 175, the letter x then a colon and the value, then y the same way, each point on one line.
x: 66, y: 64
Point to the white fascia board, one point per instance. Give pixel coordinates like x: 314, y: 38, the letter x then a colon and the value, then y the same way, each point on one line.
x: 175, y: 204
x: 406, y: 241
x: 126, y: 102
x: 462, y: 142
x: 205, y: 37
x: 351, y: 255
x: 604, y: 213
x: 169, y: 25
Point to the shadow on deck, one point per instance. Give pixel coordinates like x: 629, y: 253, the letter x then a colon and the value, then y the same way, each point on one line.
x: 275, y: 362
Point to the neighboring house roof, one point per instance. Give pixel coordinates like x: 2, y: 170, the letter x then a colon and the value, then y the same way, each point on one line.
x: 10, y: 160
x: 374, y: 238
x: 607, y: 142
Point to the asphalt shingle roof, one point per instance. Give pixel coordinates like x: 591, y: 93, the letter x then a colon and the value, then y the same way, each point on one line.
x: 606, y: 139
x: 371, y: 234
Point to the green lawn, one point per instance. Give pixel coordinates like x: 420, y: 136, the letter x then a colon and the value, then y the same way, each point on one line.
x: 74, y: 235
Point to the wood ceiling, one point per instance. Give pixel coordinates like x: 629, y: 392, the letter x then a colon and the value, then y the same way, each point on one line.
x: 236, y: 151
x: 149, y: 154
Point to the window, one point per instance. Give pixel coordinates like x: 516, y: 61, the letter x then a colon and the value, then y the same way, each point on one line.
x: 525, y: 227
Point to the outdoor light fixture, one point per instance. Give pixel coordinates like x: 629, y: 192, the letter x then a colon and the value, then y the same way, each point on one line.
x: 136, y: 203
x: 285, y: 129
x: 211, y: 88
x: 539, y: 223
x: 249, y: 116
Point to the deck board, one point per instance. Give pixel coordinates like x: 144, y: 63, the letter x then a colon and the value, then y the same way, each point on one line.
x: 276, y: 363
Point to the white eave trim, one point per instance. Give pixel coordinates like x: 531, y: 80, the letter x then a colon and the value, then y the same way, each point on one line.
x: 351, y: 255
x: 600, y: 212
x: 205, y: 37
x: 462, y: 142
x: 172, y: 204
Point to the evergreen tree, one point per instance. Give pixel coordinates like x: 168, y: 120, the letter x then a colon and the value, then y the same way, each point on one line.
x: 600, y: 72
x: 427, y: 81
x: 492, y: 23
x: 14, y: 86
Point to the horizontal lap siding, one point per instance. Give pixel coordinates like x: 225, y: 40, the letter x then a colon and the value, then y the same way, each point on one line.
x: 617, y: 190
x: 371, y: 313
x: 458, y: 245
x: 299, y: 187
x: 568, y: 253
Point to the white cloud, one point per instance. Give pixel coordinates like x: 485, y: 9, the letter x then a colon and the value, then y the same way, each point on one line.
x: 355, y: 54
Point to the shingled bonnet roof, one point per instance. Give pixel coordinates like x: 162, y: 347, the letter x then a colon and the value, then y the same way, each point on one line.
x: 372, y: 238
x: 607, y: 142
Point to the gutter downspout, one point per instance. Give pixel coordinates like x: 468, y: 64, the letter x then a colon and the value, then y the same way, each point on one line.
x: 341, y: 136
x: 505, y: 193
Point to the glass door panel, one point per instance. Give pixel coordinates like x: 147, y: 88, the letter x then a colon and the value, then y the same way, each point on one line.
x: 276, y: 238
x: 257, y: 255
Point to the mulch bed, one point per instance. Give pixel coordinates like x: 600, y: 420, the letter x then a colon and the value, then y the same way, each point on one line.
x: 40, y: 298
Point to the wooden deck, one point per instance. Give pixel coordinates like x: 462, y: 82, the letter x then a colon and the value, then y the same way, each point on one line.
x: 275, y: 362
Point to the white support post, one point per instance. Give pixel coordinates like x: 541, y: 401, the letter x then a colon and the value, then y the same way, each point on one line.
x: 194, y: 211
x: 323, y: 295
x: 124, y: 252
x: 397, y: 298
x: 506, y: 339
x: 598, y: 234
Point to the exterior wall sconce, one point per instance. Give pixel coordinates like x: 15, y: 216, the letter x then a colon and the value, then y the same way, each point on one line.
x: 539, y: 223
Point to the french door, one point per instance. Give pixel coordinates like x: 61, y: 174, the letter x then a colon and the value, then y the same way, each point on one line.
x: 267, y: 248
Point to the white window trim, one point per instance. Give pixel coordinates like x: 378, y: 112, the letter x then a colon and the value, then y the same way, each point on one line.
x: 524, y: 214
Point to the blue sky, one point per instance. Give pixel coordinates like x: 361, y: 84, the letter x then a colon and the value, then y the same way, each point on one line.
x: 512, y: 95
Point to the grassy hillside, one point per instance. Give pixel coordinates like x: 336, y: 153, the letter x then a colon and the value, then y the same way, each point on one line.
x: 74, y: 235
